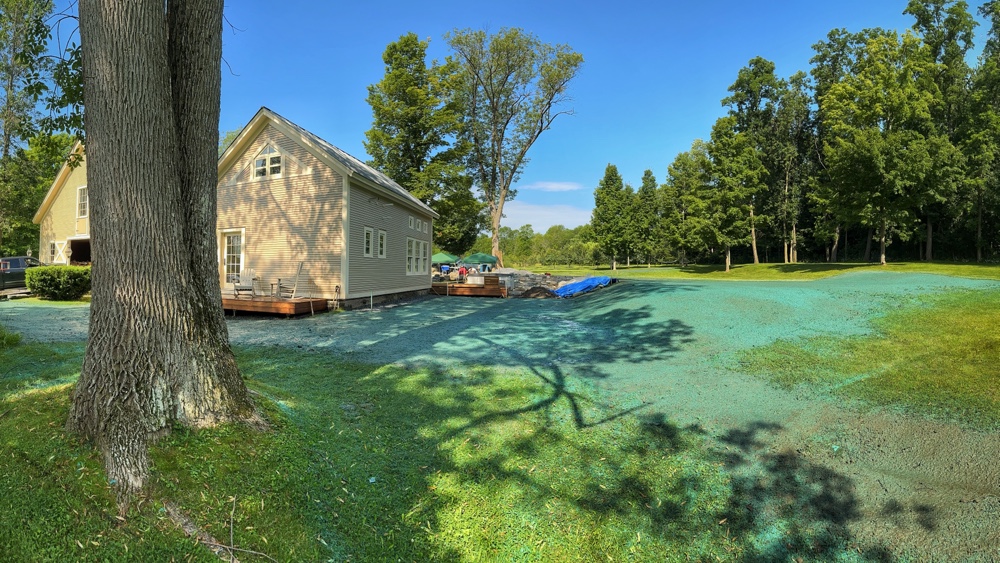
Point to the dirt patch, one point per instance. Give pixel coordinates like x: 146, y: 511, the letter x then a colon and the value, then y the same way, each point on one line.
x: 538, y: 293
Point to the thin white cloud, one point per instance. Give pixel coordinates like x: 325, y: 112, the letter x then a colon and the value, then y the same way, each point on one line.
x: 552, y: 186
x: 541, y: 217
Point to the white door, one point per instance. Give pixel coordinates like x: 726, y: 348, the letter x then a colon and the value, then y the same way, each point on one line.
x: 232, y: 256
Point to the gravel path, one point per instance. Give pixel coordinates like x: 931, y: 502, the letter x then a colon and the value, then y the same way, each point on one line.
x: 901, y: 487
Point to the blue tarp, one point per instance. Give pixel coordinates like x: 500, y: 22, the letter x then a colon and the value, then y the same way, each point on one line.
x: 582, y: 286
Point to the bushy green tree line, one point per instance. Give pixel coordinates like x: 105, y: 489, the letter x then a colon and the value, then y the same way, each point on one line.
x: 889, y: 146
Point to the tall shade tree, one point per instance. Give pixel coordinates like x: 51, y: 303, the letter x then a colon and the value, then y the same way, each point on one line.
x: 158, y: 353
x: 414, y: 138
x: 610, y: 218
x: 946, y: 28
x: 22, y: 41
x: 878, y: 150
x: 513, y: 87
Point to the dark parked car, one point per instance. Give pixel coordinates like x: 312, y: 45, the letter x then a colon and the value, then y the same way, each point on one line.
x: 12, y: 270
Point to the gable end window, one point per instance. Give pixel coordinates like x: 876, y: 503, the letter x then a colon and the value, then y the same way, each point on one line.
x: 82, y: 202
x: 267, y: 163
x: 381, y: 244
x: 411, y: 221
x: 369, y: 242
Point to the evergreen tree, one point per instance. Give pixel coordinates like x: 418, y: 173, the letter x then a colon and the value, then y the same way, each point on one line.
x: 646, y: 219
x: 609, y: 219
x: 684, y: 202
x: 737, y: 177
x: 412, y: 140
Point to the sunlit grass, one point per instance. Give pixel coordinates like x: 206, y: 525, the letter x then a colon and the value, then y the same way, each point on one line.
x: 777, y: 272
x: 367, y: 463
x: 939, y: 358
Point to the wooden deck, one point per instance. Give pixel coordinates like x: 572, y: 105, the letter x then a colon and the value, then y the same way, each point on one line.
x: 274, y: 305
x: 468, y: 290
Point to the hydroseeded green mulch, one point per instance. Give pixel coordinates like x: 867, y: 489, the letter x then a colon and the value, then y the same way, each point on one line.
x: 940, y: 357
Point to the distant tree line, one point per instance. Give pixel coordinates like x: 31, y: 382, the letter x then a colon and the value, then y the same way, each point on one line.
x: 889, y: 146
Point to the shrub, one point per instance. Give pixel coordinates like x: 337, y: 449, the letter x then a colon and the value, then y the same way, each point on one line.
x: 59, y: 283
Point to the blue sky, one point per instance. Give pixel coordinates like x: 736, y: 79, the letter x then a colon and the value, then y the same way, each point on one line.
x: 652, y: 81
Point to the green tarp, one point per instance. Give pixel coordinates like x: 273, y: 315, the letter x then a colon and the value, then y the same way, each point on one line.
x: 480, y: 258
x: 444, y: 258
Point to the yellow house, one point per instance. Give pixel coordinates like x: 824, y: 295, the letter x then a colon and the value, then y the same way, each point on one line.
x: 285, y: 196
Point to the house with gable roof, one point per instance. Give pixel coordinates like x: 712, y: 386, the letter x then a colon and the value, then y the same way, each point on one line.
x: 285, y: 196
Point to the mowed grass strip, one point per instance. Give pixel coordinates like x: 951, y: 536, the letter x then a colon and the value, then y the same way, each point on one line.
x: 938, y: 358
x: 776, y: 272
x: 368, y: 463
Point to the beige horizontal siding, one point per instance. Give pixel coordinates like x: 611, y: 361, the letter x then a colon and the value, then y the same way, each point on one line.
x: 292, y: 219
x: 374, y: 275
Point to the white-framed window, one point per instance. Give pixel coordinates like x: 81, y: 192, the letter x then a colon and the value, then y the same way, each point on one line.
x: 419, y: 225
x: 417, y: 256
x: 82, y: 202
x: 52, y: 252
x: 409, y: 255
x: 411, y: 221
x: 425, y: 227
x: 267, y: 163
x: 381, y: 244
x: 369, y: 241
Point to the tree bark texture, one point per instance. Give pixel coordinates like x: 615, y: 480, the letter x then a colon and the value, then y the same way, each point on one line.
x: 753, y: 238
x: 158, y: 352
x: 728, y: 255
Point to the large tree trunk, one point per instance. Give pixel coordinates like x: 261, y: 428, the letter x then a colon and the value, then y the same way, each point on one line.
x: 930, y: 240
x: 158, y: 352
x: 753, y: 238
x: 727, y: 258
x: 495, y: 216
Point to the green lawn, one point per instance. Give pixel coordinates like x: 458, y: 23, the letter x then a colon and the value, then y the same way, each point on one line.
x: 939, y: 358
x: 776, y: 272
x: 367, y: 463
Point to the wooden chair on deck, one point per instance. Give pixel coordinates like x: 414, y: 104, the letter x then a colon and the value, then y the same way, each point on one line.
x: 243, y: 284
x: 289, y: 289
